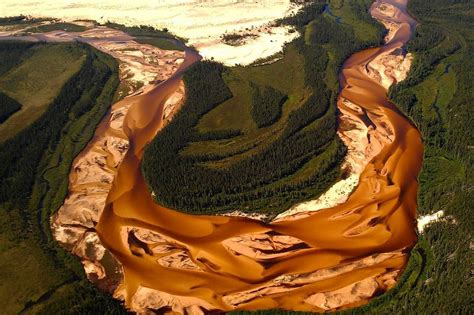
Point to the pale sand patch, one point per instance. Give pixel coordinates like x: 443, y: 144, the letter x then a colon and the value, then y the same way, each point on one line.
x: 330, y: 300
x: 238, y: 213
x: 336, y: 194
x: 390, y: 68
x: 258, y: 245
x: 426, y: 220
x: 202, y: 22
x: 147, y: 299
x: 262, y: 46
x: 349, y: 294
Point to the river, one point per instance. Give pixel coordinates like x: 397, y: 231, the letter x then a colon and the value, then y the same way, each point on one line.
x: 359, y: 244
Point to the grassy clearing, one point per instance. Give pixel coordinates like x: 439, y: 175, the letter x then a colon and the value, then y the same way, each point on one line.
x: 235, y: 113
x: 285, y: 75
x: 36, y: 81
x: 233, y: 150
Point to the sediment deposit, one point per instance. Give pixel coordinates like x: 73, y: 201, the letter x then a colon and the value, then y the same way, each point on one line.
x: 203, y: 23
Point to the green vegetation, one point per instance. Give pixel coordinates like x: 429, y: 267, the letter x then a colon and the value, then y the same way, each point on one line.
x: 8, y: 107
x: 162, y: 43
x: 13, y: 53
x: 236, y: 39
x: 20, y: 19
x: 233, y: 114
x: 30, y: 76
x: 355, y: 13
x: 143, y: 34
x: 37, y: 275
x: 266, y: 105
x: 438, y: 96
x: 259, y: 139
x: 60, y: 26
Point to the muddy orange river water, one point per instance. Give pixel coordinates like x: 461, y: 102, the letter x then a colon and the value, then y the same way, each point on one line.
x: 379, y: 216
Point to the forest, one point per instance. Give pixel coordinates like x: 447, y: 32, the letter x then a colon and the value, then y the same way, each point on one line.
x: 8, y: 107
x: 266, y: 105
x: 21, y: 154
x: 38, y: 276
x: 12, y: 53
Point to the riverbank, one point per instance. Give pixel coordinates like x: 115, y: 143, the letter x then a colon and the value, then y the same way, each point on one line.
x: 142, y: 68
